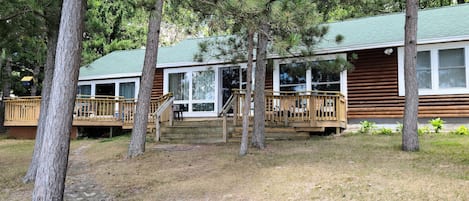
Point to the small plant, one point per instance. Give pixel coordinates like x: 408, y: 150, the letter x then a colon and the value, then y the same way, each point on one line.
x: 367, y: 127
x: 384, y: 131
x: 461, y: 130
x: 399, y: 128
x: 424, y: 130
x: 437, y: 124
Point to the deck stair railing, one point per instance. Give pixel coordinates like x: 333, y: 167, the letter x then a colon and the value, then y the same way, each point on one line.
x: 224, y: 113
x: 163, y: 113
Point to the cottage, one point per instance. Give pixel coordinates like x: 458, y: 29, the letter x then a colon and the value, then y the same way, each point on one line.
x: 374, y: 89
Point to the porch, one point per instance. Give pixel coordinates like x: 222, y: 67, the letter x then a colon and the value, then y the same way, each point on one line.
x: 303, y: 112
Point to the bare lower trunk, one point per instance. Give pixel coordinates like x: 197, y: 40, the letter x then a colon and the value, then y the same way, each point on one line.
x: 7, y: 78
x: 137, y: 142
x: 247, y: 101
x: 258, y: 137
x: 52, y: 169
x: 410, y: 141
x: 6, y: 91
x: 52, y: 35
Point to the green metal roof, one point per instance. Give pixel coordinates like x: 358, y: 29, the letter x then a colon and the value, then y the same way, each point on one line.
x: 434, y: 25
x: 437, y: 23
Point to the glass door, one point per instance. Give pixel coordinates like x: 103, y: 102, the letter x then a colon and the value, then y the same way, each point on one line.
x: 231, y: 78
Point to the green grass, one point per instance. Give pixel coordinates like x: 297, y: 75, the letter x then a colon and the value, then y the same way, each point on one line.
x: 352, y: 167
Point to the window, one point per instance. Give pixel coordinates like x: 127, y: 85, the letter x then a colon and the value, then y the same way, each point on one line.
x: 324, y: 81
x: 451, y: 72
x: 424, y: 71
x: 84, y: 90
x: 193, y: 88
x: 293, y: 77
x: 441, y: 69
x: 127, y: 89
x: 179, y: 86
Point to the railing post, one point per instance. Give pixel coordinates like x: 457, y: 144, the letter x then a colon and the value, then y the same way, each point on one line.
x: 171, y: 114
x: 235, y: 109
x: 225, y: 129
x: 313, y: 110
x: 157, y: 128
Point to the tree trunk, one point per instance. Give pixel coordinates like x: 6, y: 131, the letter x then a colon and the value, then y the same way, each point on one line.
x: 410, y: 141
x: 6, y: 91
x: 258, y: 137
x: 52, y: 169
x: 4, y: 82
x: 7, y: 77
x: 36, y: 71
x: 137, y: 142
x: 52, y: 34
x: 247, y: 101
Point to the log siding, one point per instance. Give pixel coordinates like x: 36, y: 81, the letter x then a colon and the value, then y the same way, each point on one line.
x: 373, y: 91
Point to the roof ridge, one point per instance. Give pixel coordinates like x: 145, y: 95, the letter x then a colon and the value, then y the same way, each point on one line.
x: 396, y: 13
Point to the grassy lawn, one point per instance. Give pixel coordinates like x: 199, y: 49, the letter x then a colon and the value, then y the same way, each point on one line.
x: 356, y: 167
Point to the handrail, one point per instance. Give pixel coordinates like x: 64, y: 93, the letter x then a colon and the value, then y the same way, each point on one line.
x: 228, y: 105
x: 167, y: 104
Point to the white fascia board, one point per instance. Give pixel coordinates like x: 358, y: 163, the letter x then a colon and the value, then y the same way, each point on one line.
x: 110, y: 76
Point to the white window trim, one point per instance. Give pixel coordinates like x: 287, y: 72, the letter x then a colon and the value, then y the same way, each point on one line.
x: 276, y: 71
x: 116, y: 82
x: 434, y: 48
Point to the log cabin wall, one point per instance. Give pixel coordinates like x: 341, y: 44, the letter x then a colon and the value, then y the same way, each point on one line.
x: 373, y: 91
x: 157, y: 89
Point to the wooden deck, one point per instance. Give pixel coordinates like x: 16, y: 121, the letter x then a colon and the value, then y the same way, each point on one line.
x: 304, y: 112
x: 88, y: 111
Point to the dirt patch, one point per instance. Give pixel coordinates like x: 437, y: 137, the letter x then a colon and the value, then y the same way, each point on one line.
x: 175, y: 147
x: 80, y: 184
x: 323, y: 168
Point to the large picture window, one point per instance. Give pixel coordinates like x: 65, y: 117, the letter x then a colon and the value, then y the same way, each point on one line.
x: 293, y: 77
x: 307, y: 76
x: 179, y: 86
x: 441, y: 69
x: 194, y: 89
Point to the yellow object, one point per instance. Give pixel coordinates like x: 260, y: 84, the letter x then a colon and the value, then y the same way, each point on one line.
x: 26, y: 78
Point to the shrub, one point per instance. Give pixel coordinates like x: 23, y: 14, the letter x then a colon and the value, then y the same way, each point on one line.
x: 384, y: 131
x: 461, y: 130
x: 424, y: 130
x: 367, y: 127
x: 437, y: 124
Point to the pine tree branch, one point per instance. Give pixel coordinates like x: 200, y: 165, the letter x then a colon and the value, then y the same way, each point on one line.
x: 13, y: 15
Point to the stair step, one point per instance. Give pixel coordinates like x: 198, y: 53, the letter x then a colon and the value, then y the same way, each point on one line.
x: 192, y: 141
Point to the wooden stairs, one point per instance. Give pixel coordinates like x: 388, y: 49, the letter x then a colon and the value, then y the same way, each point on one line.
x: 210, y: 130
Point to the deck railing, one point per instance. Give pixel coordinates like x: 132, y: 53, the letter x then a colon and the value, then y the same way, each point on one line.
x: 95, y: 109
x: 23, y: 110
x: 314, y: 107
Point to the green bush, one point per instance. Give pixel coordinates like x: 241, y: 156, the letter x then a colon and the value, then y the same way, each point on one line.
x: 424, y: 130
x: 437, y: 124
x: 367, y: 127
x: 384, y: 131
x: 461, y: 130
